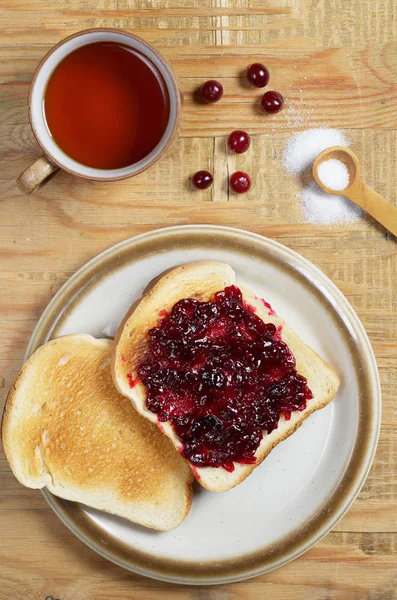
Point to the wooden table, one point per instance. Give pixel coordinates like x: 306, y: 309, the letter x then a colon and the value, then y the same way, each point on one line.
x: 336, y: 63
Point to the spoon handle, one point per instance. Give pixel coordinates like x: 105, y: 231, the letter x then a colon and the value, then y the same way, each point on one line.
x: 374, y: 204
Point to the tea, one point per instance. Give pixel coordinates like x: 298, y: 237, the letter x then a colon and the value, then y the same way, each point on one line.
x: 106, y: 105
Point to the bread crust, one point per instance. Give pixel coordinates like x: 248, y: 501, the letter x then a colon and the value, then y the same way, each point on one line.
x: 204, y: 279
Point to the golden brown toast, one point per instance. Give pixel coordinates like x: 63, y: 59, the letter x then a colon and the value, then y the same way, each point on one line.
x: 66, y: 427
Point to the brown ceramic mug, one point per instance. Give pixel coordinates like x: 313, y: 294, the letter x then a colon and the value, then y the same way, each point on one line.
x: 54, y: 157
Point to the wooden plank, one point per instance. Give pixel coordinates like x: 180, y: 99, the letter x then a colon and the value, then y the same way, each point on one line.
x: 341, y: 567
x: 361, y: 84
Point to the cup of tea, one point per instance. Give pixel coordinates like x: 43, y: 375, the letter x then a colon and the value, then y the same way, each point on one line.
x: 103, y: 105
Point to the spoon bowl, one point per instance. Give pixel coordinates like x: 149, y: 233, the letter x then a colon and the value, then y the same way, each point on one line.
x: 343, y: 155
x: 356, y: 190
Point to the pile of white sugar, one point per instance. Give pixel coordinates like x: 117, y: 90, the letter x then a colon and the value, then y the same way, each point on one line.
x: 319, y: 207
x: 333, y: 174
x: 323, y: 209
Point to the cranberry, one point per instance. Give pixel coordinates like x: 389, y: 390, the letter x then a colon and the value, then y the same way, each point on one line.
x: 202, y: 180
x: 239, y: 141
x: 272, y: 102
x: 240, y: 182
x: 258, y: 75
x: 222, y: 377
x: 212, y: 91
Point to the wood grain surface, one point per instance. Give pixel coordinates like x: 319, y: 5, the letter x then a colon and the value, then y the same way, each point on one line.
x: 336, y: 63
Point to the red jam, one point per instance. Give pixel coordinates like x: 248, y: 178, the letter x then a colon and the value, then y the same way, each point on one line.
x: 222, y: 377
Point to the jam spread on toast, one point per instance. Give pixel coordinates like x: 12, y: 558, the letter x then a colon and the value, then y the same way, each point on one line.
x: 222, y: 377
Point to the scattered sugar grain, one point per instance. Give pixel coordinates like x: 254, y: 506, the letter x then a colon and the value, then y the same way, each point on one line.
x: 333, y: 174
x: 297, y: 114
x: 324, y: 209
x: 305, y: 146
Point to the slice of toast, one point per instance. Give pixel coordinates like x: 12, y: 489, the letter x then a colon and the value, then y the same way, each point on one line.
x: 66, y: 427
x: 201, y: 280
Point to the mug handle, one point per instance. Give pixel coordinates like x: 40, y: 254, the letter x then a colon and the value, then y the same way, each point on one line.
x: 36, y: 175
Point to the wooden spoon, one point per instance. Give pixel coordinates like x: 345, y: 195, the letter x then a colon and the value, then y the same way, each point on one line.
x: 357, y: 190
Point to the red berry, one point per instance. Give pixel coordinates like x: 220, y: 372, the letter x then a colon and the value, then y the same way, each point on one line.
x: 239, y: 141
x: 212, y: 91
x: 202, y: 180
x: 272, y: 102
x: 240, y: 182
x: 258, y: 75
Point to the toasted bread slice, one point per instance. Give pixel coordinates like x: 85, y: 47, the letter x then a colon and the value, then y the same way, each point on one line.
x: 201, y: 280
x: 66, y: 427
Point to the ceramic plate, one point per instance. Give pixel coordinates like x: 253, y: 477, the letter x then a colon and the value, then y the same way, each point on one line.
x: 307, y: 483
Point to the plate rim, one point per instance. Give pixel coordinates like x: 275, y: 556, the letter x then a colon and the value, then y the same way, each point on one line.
x: 304, y: 268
